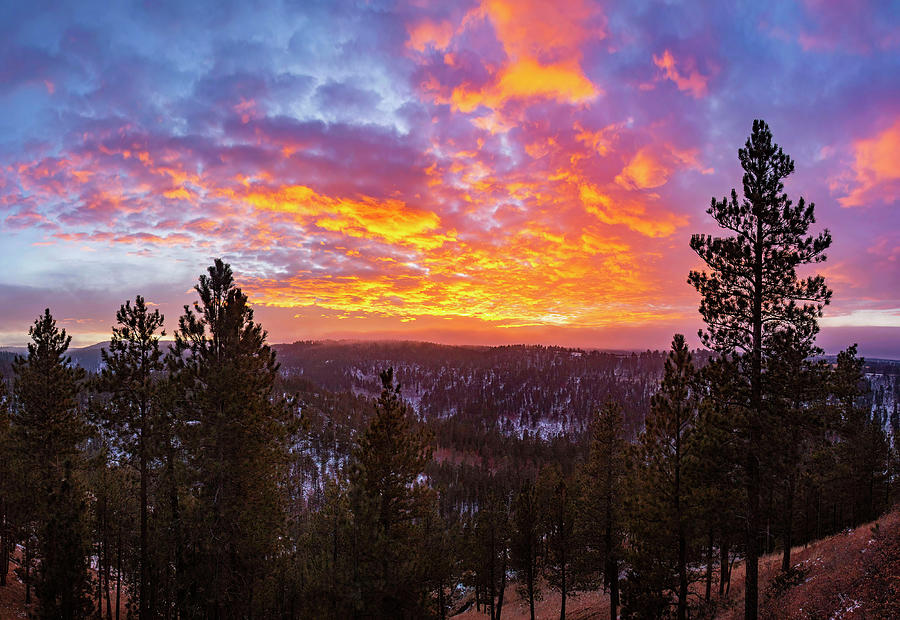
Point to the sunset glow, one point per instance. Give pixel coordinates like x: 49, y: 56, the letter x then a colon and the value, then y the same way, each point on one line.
x: 480, y: 172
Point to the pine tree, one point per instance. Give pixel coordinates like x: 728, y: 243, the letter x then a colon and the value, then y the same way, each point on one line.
x: 753, y: 292
x: 442, y: 536
x: 48, y: 428
x: 389, y: 502
x: 863, y: 452
x: 323, y: 572
x: 599, y: 526
x: 490, y: 541
x: 525, y: 541
x: 558, y: 500
x: 130, y: 375
x: 663, y: 504
x: 716, y: 463
x: 798, y: 387
x: 236, y: 433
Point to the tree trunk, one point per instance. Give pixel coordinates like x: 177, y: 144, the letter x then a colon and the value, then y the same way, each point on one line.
x: 27, y: 554
x: 709, y: 566
x: 531, y: 586
x: 441, y: 604
x: 682, y: 577
x: 751, y: 574
x: 4, y: 556
x: 118, y: 573
x: 788, y: 524
x: 143, y: 592
x: 4, y: 545
x: 723, y: 563
x: 751, y: 562
x: 502, y: 584
x: 175, y: 531
x: 493, y: 578
x: 611, y: 568
x: 562, y: 609
x: 100, y: 579
x: 682, y: 542
x: 107, y: 569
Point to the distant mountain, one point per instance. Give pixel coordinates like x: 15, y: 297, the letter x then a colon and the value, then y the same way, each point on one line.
x: 543, y: 390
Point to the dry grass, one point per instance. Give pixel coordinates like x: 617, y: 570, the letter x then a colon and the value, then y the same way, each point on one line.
x: 12, y: 597
x: 851, y: 575
x: 583, y: 606
x: 854, y: 575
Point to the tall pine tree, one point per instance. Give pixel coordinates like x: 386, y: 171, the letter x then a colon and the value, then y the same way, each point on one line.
x: 663, y: 507
x: 48, y: 428
x: 525, y: 541
x: 600, y: 523
x: 558, y: 499
x: 753, y: 291
x: 236, y: 432
x: 390, y: 501
x: 130, y: 374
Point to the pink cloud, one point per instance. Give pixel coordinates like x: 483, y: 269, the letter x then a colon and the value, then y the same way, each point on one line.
x: 690, y: 80
x: 874, y: 175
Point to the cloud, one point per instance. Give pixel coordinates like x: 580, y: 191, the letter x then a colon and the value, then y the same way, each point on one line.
x: 339, y: 95
x: 428, y: 33
x: 488, y: 165
x: 691, y: 81
x: 541, y: 54
x: 875, y: 174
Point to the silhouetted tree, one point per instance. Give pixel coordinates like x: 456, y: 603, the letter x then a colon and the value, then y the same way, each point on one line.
x: 662, y: 507
x: 799, y: 388
x: 48, y: 429
x: 558, y: 499
x: 236, y: 432
x: 752, y: 292
x: 7, y: 486
x: 525, y: 541
x: 389, y: 500
x: 131, y: 366
x: 600, y: 524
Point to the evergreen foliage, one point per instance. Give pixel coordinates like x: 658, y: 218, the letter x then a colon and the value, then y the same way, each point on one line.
x: 663, y: 507
x: 525, y: 542
x: 235, y: 432
x: 389, y: 501
x: 600, y: 525
x: 752, y: 293
x: 130, y: 374
x: 49, y: 429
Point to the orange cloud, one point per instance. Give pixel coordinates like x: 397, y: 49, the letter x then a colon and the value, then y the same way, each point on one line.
x: 693, y: 82
x: 644, y: 171
x: 390, y: 220
x: 592, y: 279
x: 628, y: 212
x: 652, y: 166
x: 543, y: 43
x: 550, y: 241
x: 526, y: 78
x: 875, y: 170
x: 539, y: 29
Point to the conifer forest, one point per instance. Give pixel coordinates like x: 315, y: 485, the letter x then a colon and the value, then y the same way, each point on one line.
x: 188, y: 467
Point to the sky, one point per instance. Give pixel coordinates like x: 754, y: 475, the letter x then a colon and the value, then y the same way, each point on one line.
x: 481, y: 172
